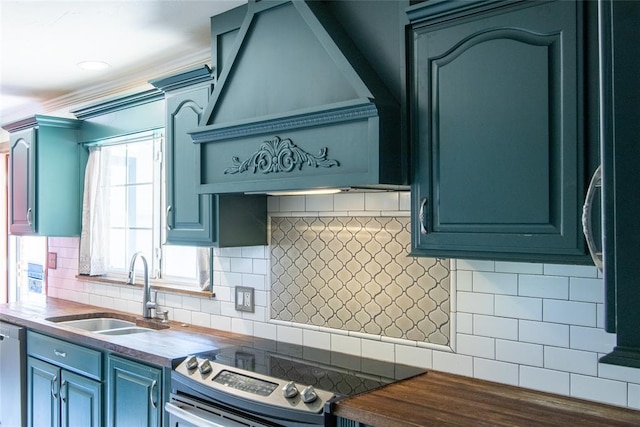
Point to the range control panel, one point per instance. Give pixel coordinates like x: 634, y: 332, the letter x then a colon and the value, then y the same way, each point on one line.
x: 253, y: 386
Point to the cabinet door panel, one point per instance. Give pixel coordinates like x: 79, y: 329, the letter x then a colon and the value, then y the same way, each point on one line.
x: 81, y: 400
x: 134, y: 394
x: 188, y: 213
x: 22, y: 183
x: 43, y: 388
x: 498, y: 156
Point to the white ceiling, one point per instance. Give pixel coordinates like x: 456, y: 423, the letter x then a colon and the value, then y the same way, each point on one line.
x: 41, y: 43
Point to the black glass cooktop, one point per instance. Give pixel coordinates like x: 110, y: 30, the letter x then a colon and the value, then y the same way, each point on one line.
x: 339, y: 373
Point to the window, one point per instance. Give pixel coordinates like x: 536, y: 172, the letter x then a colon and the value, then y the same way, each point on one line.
x: 132, y: 184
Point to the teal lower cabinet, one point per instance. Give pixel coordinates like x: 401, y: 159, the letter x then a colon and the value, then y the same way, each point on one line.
x: 135, y: 393
x: 64, y: 383
x: 43, y: 385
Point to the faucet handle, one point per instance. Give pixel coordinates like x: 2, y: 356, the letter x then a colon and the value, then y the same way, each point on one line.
x: 155, y: 297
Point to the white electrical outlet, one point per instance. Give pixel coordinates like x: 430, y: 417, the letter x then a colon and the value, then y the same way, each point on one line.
x: 244, y: 299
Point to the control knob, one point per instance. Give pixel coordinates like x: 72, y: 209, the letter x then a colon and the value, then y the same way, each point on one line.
x: 309, y: 394
x: 289, y: 390
x: 205, y: 367
x: 191, y: 363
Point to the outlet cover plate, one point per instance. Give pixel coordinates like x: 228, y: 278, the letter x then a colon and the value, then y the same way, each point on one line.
x: 245, y: 299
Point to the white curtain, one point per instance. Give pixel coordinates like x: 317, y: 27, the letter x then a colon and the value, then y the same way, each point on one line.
x: 203, y: 268
x: 93, y: 240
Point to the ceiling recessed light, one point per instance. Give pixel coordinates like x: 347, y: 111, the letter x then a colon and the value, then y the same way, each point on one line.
x: 93, y: 65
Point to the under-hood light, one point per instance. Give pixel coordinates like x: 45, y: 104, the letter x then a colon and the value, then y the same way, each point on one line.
x: 314, y: 192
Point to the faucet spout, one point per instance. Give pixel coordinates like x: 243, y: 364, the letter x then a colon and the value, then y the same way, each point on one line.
x: 147, y: 304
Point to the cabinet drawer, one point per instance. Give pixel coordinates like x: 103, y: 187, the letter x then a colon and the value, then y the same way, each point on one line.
x: 65, y: 354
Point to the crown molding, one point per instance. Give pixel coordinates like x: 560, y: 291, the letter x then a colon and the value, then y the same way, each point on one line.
x: 132, y: 83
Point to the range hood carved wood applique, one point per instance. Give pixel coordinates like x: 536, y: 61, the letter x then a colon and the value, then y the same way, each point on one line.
x: 280, y: 155
x: 294, y: 70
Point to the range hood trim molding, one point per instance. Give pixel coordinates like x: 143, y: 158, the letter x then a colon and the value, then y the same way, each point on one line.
x: 326, y: 115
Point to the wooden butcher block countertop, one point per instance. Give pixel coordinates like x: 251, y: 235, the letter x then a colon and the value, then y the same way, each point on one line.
x: 441, y: 399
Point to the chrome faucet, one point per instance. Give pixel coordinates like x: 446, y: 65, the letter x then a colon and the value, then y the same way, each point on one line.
x: 147, y: 304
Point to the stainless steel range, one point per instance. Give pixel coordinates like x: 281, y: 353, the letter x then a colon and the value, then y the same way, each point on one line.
x: 266, y: 383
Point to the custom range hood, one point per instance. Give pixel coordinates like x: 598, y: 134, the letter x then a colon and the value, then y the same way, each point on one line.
x: 297, y: 107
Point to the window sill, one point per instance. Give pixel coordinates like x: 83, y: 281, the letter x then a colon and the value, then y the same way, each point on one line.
x: 156, y: 285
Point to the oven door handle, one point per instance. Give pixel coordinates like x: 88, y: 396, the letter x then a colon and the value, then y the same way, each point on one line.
x: 185, y: 415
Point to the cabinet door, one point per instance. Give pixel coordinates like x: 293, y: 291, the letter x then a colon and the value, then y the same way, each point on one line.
x: 81, y: 401
x: 498, y: 146
x: 22, y: 189
x: 134, y: 394
x: 43, y: 391
x: 189, y: 214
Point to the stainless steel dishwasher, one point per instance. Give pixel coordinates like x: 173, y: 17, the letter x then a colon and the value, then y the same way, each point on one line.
x: 12, y: 376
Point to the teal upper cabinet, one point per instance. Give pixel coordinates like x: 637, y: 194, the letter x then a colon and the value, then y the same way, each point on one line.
x: 45, y: 168
x: 200, y: 219
x: 500, y: 141
x: 296, y: 106
x: 620, y: 178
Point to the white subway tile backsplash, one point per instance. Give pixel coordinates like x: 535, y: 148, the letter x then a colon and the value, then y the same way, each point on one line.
x: 258, y: 252
x: 545, y: 380
x: 210, y: 306
x: 346, y: 344
x: 600, y: 316
x: 518, y: 307
x: 495, y: 327
x: 319, y: 203
x: 491, y: 370
x: 230, y: 279
x: 382, y: 350
x: 476, y: 265
x: 260, y: 266
x: 601, y: 390
x: 273, y: 204
x: 222, y: 323
x: 543, y: 333
x: 588, y: 290
x: 567, y: 360
x: 405, y: 200
x: 201, y: 319
x: 633, y: 399
x: 292, y: 203
x: 518, y: 267
x: 180, y: 315
x: 241, y: 265
x: 289, y: 334
x: 221, y: 263
x: 495, y: 283
x: 555, y: 287
x: 591, y: 339
x: 316, y: 339
x: 476, y: 346
x: 464, y: 280
x: 415, y: 356
x: 620, y: 373
x: 265, y: 330
x: 570, y: 270
x: 348, y: 202
x: 469, y: 302
x: 569, y: 312
x: 453, y: 363
x: 191, y: 303
x: 464, y: 323
x: 385, y: 201
x: 520, y: 352
x: 256, y: 281
x: 241, y: 326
